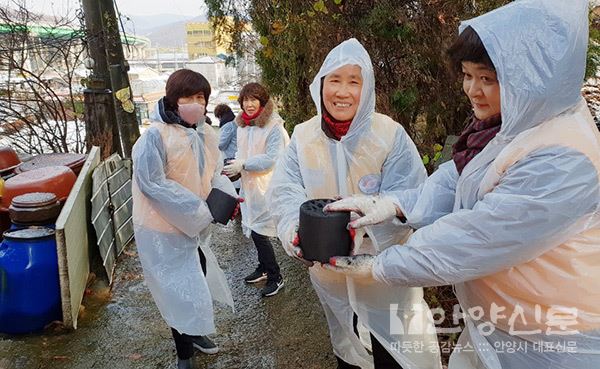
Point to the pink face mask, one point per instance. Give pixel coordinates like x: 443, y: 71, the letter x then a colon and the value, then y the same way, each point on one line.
x: 191, y: 113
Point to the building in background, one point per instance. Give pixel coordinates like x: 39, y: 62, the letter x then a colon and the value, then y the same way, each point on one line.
x: 215, y: 70
x: 147, y: 86
x: 202, y: 41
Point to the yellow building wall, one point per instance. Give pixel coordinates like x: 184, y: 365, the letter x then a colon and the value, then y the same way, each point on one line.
x: 201, y: 41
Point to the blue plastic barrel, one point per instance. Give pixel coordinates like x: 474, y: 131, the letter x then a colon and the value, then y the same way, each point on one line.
x: 29, y: 285
x: 14, y: 226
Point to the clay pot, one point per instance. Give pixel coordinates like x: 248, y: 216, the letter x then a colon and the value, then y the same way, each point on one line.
x: 58, y: 180
x: 323, y: 235
x: 73, y: 161
x: 221, y: 205
x: 8, y: 159
x: 36, y: 208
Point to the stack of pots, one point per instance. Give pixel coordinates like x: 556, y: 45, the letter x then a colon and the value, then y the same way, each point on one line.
x: 29, y: 280
x: 58, y: 180
x: 34, y: 209
x: 73, y: 161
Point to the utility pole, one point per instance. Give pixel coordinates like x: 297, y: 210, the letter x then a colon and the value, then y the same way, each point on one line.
x: 118, y: 67
x: 100, y: 118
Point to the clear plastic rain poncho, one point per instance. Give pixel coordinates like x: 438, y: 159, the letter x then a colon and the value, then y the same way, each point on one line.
x: 174, y: 170
x: 375, y: 156
x: 518, y: 232
x: 259, y: 146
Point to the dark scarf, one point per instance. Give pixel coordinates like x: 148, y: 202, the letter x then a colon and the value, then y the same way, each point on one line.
x: 248, y: 118
x: 473, y: 139
x: 226, y: 118
x: 333, y: 128
x: 170, y: 116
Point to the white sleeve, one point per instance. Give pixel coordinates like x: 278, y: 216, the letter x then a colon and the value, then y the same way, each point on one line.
x: 540, y: 202
x: 430, y: 201
x: 286, y: 193
x: 274, y: 147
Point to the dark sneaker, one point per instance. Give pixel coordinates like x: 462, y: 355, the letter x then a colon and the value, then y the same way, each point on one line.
x: 272, y: 287
x: 256, y: 276
x: 205, y: 345
x: 187, y: 364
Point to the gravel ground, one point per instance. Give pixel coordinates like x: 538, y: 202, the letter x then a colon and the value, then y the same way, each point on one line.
x: 122, y: 328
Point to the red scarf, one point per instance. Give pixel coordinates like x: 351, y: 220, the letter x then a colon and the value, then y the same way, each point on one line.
x: 336, y: 128
x: 248, y: 118
x: 473, y: 139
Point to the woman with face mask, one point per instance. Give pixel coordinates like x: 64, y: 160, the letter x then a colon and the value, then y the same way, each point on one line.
x: 348, y: 148
x: 176, y: 163
x: 513, y: 221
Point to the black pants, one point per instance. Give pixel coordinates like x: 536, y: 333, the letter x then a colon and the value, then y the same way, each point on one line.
x: 266, y: 256
x: 381, y: 357
x: 183, y: 342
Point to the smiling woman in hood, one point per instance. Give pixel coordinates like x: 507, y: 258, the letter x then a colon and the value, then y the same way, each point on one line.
x: 348, y: 149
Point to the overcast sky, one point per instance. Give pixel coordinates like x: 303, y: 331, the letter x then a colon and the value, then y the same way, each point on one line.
x: 130, y: 7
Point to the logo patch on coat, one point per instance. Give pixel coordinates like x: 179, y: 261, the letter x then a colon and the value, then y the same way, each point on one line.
x: 369, y: 184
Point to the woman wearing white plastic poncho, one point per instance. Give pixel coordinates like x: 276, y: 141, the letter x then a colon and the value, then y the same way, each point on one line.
x: 176, y: 163
x: 347, y: 149
x: 261, y: 139
x: 518, y: 231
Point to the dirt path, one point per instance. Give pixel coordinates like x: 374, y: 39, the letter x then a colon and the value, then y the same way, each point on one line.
x: 122, y: 329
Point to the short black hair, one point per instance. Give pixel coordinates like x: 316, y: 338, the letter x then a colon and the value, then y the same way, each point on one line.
x: 221, y: 110
x: 468, y: 47
x: 184, y: 83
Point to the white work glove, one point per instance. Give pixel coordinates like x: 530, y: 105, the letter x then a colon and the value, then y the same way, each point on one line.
x: 373, y: 209
x: 291, y: 247
x: 234, y: 167
x: 357, y: 266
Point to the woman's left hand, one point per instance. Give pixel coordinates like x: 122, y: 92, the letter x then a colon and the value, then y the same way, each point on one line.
x: 357, y: 266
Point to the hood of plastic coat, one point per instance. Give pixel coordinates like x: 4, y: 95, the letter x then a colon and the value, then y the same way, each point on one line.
x: 539, y: 50
x: 155, y: 115
x: 349, y: 52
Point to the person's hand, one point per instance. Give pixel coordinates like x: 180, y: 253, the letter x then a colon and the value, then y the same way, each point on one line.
x: 373, y: 209
x: 236, y: 211
x: 297, y: 252
x: 234, y: 167
x: 357, y: 266
x: 357, y: 237
x: 292, y: 248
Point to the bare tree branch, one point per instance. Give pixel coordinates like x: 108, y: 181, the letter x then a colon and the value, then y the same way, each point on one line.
x: 40, y: 102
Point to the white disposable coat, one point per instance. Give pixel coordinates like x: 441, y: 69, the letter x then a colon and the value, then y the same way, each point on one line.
x: 375, y: 156
x: 259, y: 145
x: 174, y: 169
x: 518, y: 232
